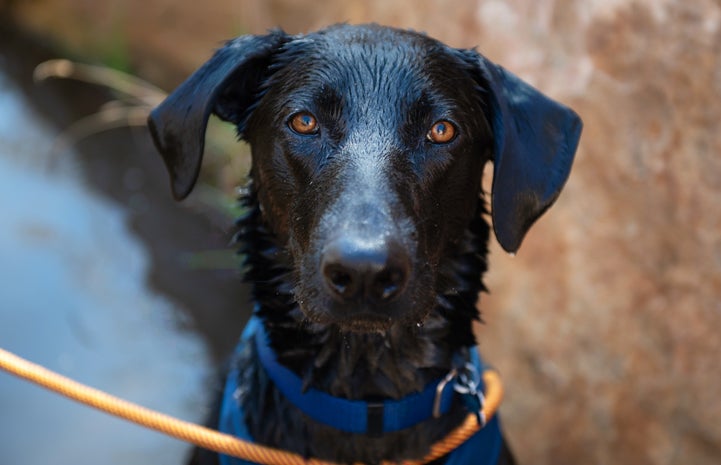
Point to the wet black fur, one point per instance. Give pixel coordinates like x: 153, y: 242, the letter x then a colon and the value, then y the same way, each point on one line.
x: 304, y: 189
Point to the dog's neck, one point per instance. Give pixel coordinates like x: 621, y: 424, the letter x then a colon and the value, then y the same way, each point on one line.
x: 353, y: 365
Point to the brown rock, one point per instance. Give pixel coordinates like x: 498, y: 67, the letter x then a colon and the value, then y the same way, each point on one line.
x: 609, y: 314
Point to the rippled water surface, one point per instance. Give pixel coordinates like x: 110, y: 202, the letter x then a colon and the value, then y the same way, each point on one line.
x: 74, y: 297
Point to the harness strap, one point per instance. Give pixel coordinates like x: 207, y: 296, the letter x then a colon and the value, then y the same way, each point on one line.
x: 353, y: 416
x: 481, y: 448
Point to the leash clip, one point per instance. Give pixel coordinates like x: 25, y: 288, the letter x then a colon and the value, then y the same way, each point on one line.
x: 467, y: 385
x: 439, y: 392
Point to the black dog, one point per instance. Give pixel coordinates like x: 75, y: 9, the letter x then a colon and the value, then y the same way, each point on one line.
x: 365, y: 238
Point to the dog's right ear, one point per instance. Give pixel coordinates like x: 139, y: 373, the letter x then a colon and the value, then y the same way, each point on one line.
x: 226, y: 85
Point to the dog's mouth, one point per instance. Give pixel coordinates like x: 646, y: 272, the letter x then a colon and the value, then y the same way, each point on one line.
x: 362, y: 316
x: 365, y: 322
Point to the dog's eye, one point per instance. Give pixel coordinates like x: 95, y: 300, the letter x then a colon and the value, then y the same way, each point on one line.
x: 441, y: 132
x: 303, y: 123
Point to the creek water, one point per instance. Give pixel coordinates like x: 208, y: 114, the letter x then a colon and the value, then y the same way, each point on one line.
x: 94, y: 284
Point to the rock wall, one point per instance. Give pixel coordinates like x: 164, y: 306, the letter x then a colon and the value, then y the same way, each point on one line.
x: 606, y: 324
x: 611, y: 311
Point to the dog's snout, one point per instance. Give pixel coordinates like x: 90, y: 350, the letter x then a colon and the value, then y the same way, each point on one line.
x: 355, y: 269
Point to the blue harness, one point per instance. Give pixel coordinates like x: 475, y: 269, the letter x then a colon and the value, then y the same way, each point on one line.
x: 372, y: 418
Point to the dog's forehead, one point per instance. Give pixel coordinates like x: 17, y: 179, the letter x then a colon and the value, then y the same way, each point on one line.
x: 369, y: 41
x: 371, y: 61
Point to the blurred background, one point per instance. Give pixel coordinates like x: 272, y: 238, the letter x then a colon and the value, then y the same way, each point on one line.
x: 605, y: 326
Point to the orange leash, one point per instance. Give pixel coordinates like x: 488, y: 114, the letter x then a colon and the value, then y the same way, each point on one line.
x: 214, y: 440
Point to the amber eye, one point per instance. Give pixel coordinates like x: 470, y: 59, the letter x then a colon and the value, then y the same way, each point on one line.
x: 441, y: 132
x: 304, y: 123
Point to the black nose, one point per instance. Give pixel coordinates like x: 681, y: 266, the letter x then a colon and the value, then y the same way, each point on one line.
x: 356, y: 269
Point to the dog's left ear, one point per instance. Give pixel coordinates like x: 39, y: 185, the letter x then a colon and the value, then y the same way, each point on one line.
x: 226, y: 85
x: 535, y: 139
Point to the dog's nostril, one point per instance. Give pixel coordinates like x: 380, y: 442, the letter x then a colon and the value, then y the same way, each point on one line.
x: 341, y: 281
x: 388, y: 284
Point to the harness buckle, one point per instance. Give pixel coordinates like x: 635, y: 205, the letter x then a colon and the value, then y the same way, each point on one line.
x: 375, y: 413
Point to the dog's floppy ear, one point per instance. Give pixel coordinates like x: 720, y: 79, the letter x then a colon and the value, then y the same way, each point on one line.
x: 226, y: 85
x: 535, y: 139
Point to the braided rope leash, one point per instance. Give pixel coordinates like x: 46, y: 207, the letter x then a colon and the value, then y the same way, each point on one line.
x: 220, y: 442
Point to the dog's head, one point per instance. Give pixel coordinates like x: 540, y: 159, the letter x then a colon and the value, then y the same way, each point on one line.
x: 368, y: 146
